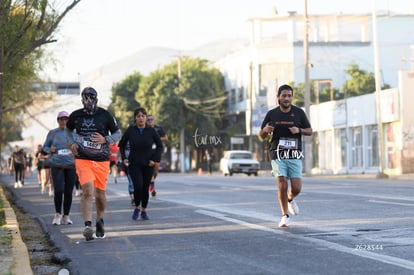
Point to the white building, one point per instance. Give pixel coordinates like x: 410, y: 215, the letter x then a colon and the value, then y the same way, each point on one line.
x: 276, y: 56
x: 347, y: 138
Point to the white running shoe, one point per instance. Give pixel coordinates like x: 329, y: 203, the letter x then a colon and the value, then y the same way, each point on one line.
x: 293, y: 208
x: 284, y: 222
x: 19, y: 184
x: 57, y: 219
x: 66, y: 220
x: 16, y: 185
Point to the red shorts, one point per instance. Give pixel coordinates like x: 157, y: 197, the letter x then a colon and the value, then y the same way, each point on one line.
x: 92, y: 171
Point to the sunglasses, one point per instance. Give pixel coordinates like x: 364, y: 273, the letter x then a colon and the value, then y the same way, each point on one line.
x: 89, y: 96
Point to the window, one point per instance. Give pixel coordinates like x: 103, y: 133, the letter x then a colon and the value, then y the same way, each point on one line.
x: 372, y: 146
x: 357, y: 149
x: 340, y: 147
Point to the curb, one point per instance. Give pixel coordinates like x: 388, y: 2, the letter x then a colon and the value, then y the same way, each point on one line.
x: 20, y: 255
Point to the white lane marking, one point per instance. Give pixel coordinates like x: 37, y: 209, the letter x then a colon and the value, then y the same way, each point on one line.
x: 361, y: 253
x: 390, y: 202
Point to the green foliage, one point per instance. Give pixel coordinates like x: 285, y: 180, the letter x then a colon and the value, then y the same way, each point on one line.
x: 25, y: 26
x: 192, y: 98
x: 123, y: 102
x: 360, y: 82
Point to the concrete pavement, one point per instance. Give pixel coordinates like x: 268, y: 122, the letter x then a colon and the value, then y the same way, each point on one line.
x: 18, y: 261
x: 20, y: 257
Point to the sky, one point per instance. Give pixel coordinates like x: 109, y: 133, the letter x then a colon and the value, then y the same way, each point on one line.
x: 98, y: 32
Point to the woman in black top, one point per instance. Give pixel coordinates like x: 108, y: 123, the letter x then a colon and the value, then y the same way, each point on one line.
x: 141, y: 159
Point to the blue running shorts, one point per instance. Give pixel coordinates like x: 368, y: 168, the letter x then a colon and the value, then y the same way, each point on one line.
x: 290, y: 168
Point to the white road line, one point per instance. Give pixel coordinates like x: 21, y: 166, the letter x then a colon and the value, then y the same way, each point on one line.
x: 390, y: 202
x: 361, y: 253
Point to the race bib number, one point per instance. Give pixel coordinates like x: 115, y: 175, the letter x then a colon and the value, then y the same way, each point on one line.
x: 92, y: 145
x: 288, y: 143
x: 64, y: 152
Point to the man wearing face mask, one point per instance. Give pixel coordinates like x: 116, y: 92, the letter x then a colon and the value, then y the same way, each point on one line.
x: 90, y: 130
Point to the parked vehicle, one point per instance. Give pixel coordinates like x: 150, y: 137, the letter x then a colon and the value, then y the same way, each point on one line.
x: 165, y: 165
x: 239, y: 161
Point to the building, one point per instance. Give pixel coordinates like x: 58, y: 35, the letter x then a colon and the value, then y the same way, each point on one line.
x: 40, y: 117
x: 347, y: 138
x: 276, y: 56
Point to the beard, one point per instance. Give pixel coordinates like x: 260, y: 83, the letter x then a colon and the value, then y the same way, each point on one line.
x: 285, y: 105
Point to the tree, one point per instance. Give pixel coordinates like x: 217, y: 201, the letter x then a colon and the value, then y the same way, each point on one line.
x: 187, y: 95
x: 123, y: 100
x: 25, y: 26
x: 187, y: 100
x: 361, y: 82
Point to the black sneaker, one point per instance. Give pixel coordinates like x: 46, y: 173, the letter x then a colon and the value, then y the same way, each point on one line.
x: 135, y: 215
x: 100, y: 232
x: 88, y: 233
x: 144, y: 215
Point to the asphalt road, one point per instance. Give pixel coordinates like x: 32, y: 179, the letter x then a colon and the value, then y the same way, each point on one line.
x: 228, y: 225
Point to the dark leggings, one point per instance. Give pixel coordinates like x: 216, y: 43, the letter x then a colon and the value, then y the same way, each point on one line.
x: 141, y: 177
x: 18, y: 172
x: 63, y: 182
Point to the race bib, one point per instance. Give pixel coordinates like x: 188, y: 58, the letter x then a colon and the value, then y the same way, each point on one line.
x: 288, y: 143
x: 64, y: 152
x: 92, y: 145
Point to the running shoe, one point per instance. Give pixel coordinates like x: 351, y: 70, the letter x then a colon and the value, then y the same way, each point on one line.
x: 100, y: 232
x: 293, y: 208
x: 66, y: 220
x: 135, y: 215
x: 144, y: 215
x: 57, y: 219
x: 88, y: 233
x: 284, y: 222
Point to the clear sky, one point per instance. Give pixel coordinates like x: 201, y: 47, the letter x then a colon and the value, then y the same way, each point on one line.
x: 98, y: 32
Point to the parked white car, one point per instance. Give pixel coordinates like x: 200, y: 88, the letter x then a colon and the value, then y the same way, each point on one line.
x: 239, y: 161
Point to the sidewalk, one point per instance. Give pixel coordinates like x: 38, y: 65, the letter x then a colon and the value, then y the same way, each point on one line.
x: 15, y: 259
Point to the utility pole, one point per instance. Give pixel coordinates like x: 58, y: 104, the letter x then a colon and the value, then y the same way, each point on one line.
x: 377, y: 74
x: 308, y: 140
x: 182, y: 132
x: 251, y: 107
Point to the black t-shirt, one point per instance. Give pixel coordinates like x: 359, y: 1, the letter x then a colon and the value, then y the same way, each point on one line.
x: 19, y: 157
x: 284, y: 144
x: 159, y: 130
x: 85, y: 125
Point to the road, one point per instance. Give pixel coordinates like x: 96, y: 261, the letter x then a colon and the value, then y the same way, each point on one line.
x: 228, y: 225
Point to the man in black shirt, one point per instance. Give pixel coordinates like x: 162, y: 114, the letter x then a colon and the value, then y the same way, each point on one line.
x: 284, y: 127
x: 95, y: 130
x: 18, y: 164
